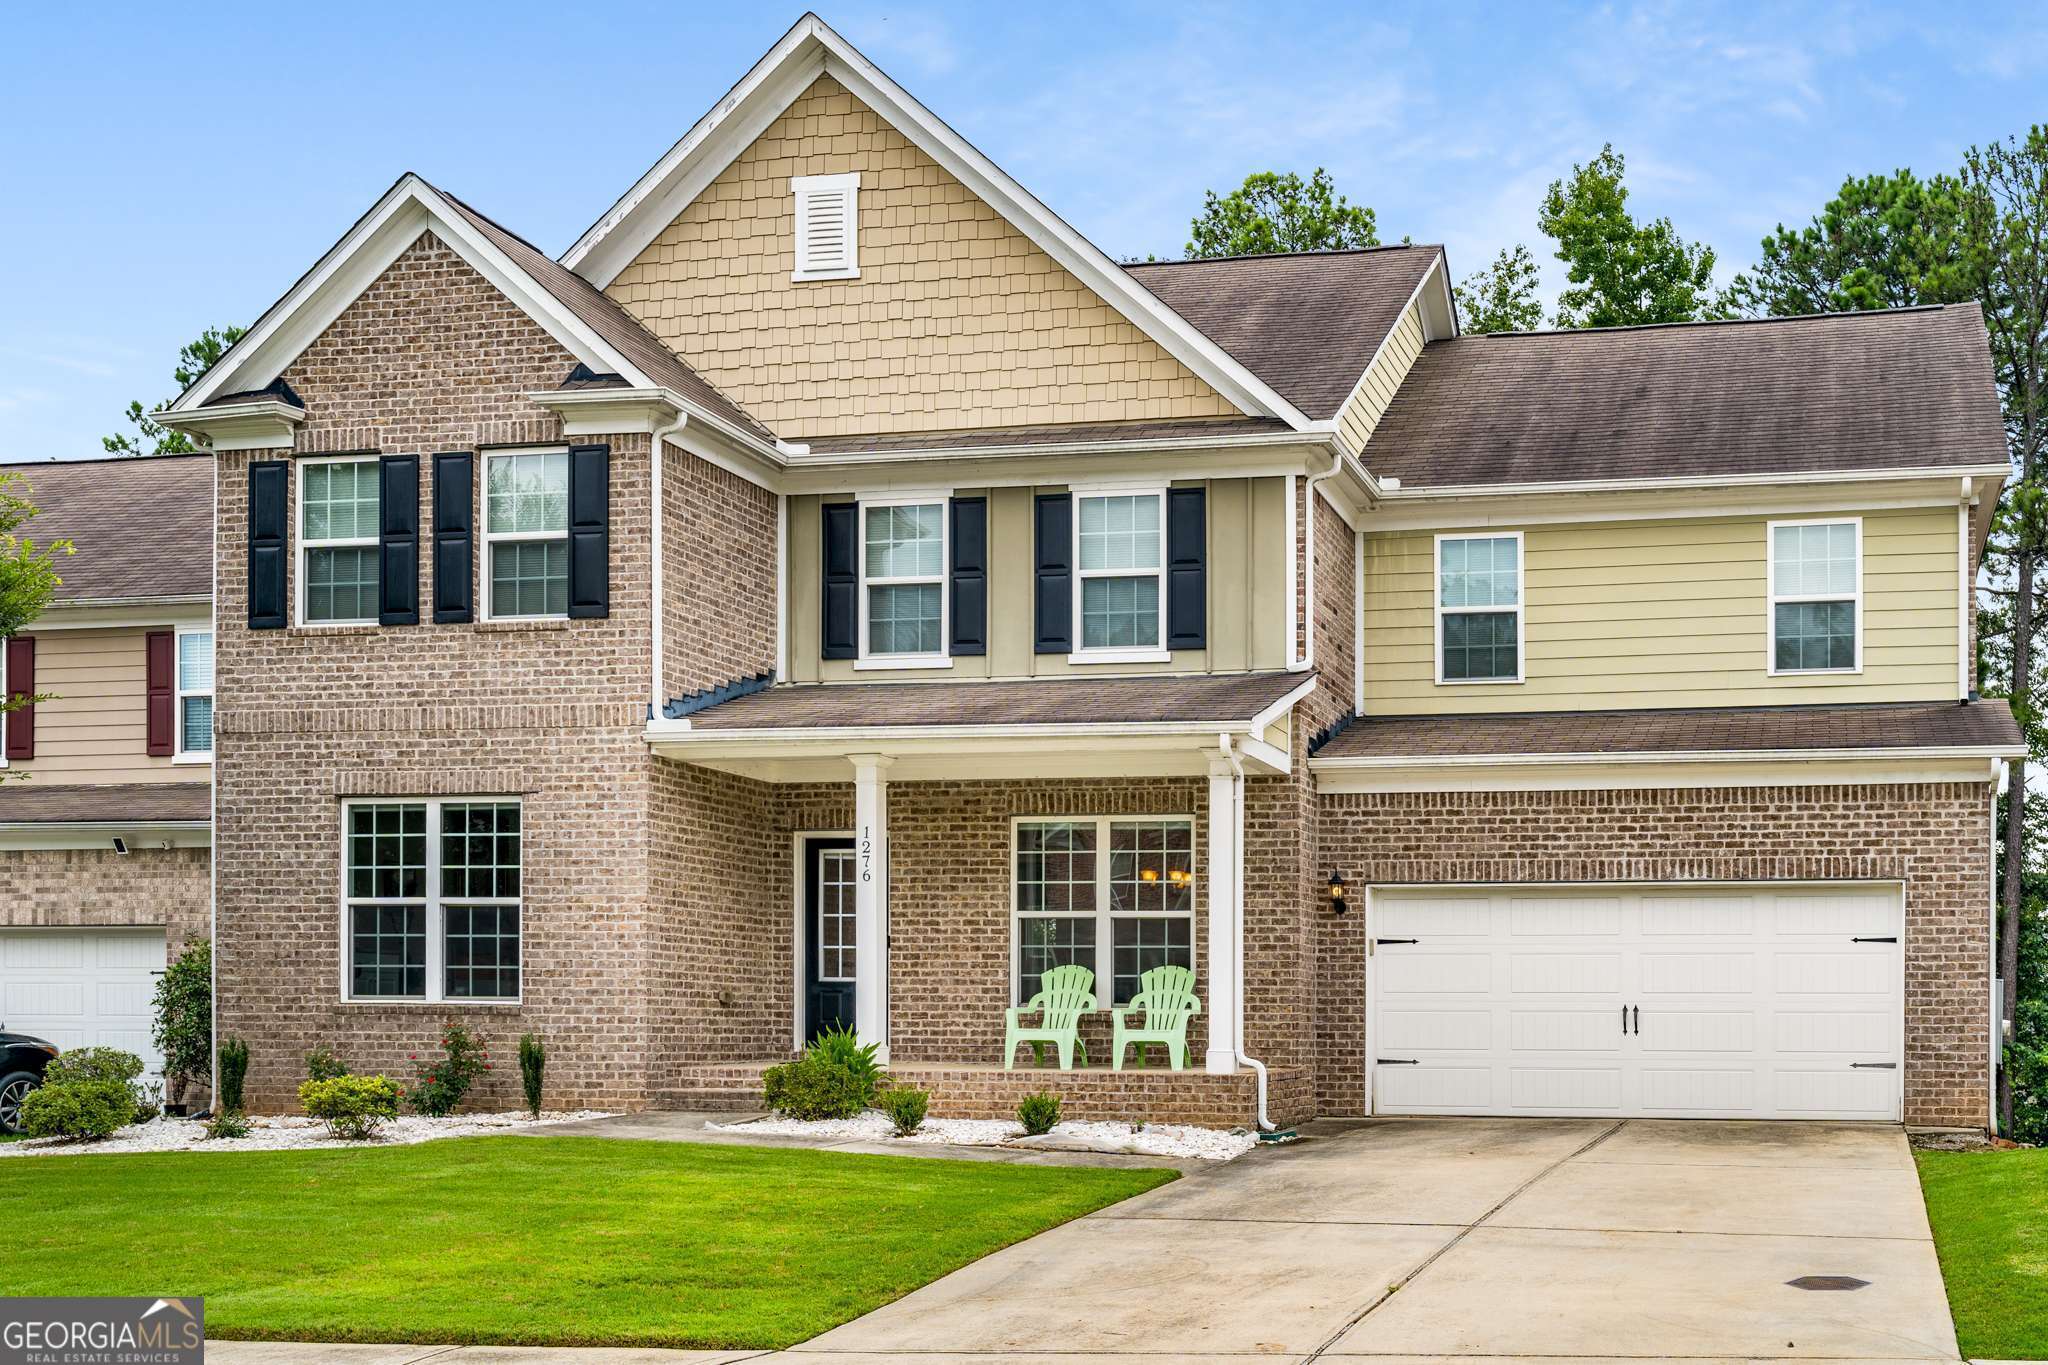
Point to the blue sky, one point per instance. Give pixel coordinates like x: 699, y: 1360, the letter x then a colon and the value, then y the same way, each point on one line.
x: 168, y: 168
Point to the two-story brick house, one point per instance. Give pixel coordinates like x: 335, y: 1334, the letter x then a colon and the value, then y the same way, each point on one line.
x: 837, y: 591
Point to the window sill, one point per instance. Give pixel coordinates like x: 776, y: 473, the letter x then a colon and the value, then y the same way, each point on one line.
x: 305, y: 631
x: 1120, y: 656
x: 191, y: 760
x: 412, y: 1002
x: 1480, y: 682
x: 512, y: 623
x: 883, y: 661
x: 1815, y: 672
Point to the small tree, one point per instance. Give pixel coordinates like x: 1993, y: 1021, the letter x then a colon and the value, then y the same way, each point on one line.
x: 1621, y: 273
x: 1272, y: 212
x: 183, y: 1031
x: 1502, y: 297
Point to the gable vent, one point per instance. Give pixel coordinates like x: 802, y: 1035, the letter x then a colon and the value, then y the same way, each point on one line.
x: 827, y: 223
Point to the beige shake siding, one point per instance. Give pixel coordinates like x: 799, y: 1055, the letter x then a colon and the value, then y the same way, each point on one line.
x: 1361, y: 413
x: 93, y: 727
x: 1247, y: 592
x: 1667, y: 613
x: 957, y: 319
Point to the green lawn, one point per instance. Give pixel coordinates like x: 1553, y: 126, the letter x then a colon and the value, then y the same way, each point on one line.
x: 1990, y: 1217
x: 547, y: 1241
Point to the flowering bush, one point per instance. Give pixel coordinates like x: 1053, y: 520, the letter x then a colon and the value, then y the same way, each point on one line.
x: 439, y: 1085
x: 352, y: 1106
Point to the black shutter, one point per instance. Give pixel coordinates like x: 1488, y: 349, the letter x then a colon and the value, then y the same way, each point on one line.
x: 454, y: 537
x: 269, y: 501
x: 969, y: 576
x: 398, y: 540
x: 839, y: 613
x: 1053, y: 615
x: 590, y: 531
x: 1187, y: 568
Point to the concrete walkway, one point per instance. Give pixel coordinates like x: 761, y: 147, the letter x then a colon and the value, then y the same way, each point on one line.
x: 1400, y: 1241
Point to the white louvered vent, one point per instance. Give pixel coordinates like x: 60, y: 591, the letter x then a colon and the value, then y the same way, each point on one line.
x: 827, y: 222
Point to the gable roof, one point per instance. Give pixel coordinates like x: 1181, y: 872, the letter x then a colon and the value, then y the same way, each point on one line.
x: 1909, y: 388
x: 141, y: 526
x: 590, y: 326
x: 1308, y: 323
x: 811, y: 49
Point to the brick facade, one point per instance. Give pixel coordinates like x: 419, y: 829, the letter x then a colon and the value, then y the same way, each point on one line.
x: 98, y: 888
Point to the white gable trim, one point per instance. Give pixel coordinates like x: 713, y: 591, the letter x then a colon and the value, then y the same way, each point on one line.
x: 812, y: 49
x: 352, y: 265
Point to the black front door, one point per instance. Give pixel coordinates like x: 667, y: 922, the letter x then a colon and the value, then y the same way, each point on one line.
x: 829, y: 949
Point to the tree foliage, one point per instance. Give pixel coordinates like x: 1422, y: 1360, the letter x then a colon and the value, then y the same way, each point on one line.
x: 183, y: 1025
x: 1274, y: 212
x: 1620, y: 273
x: 1502, y: 297
x: 1883, y: 241
x: 28, y: 573
x: 151, y: 437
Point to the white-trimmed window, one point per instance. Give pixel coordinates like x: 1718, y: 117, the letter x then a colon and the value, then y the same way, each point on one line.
x: 431, y: 899
x: 1120, y: 574
x: 903, y: 609
x: 1816, y: 596
x: 827, y: 226
x: 338, y: 516
x: 526, y: 534
x: 1115, y: 895
x: 1479, y: 608
x: 195, y: 696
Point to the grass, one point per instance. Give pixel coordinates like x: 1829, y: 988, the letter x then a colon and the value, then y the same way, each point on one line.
x: 1990, y: 1216
x: 543, y: 1241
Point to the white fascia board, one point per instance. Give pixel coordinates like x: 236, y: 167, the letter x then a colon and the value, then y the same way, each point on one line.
x: 259, y: 424
x: 1212, y: 457
x: 122, y: 612
x: 603, y: 412
x: 1441, y: 492
x: 410, y: 208
x: 811, y: 49
x: 89, y: 834
x: 680, y: 732
x: 1284, y: 705
x: 1647, y: 777
x: 1435, y: 272
x: 1974, y: 753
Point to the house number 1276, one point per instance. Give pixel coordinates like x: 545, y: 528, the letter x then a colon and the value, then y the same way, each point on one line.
x: 867, y: 856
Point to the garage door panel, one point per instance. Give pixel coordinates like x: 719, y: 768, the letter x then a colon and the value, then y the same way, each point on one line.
x: 1698, y: 1090
x: 41, y: 952
x: 1701, y: 972
x: 128, y: 952
x: 1438, y: 1089
x: 1840, y: 973
x: 43, y: 999
x: 83, y: 987
x: 1834, y: 916
x: 1437, y: 974
x: 1562, y: 1089
x: 1532, y: 973
x: 1564, y: 1030
x: 1866, y: 1032
x: 1449, y: 918
x: 1698, y: 917
x: 1436, y: 1030
x: 1698, y: 1031
x: 1835, y: 1092
x: 1554, y: 917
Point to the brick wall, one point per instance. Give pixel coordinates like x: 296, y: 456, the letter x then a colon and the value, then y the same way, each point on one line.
x: 1933, y: 837
x: 96, y: 887
x: 718, y: 589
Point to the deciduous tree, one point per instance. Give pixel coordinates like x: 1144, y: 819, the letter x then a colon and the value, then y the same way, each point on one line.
x: 1621, y: 273
x: 1273, y: 212
x: 1502, y: 297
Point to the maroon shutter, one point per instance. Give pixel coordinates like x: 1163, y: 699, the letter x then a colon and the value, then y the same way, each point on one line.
x: 21, y: 682
x: 162, y: 692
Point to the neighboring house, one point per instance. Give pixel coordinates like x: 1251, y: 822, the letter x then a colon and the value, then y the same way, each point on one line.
x: 835, y: 591
x: 106, y: 793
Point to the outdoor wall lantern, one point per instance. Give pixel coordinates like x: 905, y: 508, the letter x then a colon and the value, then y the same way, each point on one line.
x: 1337, y: 892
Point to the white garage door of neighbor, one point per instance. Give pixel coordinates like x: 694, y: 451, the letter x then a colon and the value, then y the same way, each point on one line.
x: 82, y: 987
x: 1674, y: 1002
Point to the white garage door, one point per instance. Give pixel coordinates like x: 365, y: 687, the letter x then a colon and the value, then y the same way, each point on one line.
x: 1678, y: 1002
x: 82, y: 987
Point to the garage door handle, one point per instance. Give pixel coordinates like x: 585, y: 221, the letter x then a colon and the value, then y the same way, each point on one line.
x: 1381, y: 942
x: 1888, y: 939
x: 1875, y: 1066
x: 1624, y: 1021
x: 1397, y: 1061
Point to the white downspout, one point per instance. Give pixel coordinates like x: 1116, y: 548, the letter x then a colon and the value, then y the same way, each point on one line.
x: 1308, y: 603
x: 1236, y: 874
x: 655, y: 642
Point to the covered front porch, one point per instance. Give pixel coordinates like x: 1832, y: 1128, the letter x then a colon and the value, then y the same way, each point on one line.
x: 981, y: 839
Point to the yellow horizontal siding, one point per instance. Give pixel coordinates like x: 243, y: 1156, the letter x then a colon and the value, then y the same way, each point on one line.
x: 1383, y: 377
x: 1665, y: 613
x: 94, y: 727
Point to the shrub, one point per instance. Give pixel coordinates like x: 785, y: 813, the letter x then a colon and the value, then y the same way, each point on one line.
x: 234, y: 1071
x: 533, y: 1060
x: 838, y: 1047
x: 438, y: 1086
x: 323, y: 1065
x: 353, y: 1107
x: 93, y: 1064
x: 149, y: 1102
x: 183, y: 1026
x: 1038, y: 1113
x: 228, y: 1123
x: 82, y: 1111
x: 813, y: 1087
x: 905, y: 1105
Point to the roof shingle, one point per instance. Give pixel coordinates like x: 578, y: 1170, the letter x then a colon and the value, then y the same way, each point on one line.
x: 1080, y: 701
x: 140, y: 526
x: 32, y: 803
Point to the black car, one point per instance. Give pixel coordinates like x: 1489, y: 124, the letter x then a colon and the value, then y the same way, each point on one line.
x: 22, y: 1059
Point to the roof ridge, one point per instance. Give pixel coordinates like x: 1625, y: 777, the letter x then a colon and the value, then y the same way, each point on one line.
x: 1705, y: 322
x: 108, y: 459
x: 1276, y: 255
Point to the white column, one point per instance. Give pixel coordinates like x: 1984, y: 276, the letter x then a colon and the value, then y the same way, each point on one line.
x: 871, y: 900
x: 1225, y: 941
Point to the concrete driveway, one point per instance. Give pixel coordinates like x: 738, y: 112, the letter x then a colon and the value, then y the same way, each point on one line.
x: 1439, y: 1238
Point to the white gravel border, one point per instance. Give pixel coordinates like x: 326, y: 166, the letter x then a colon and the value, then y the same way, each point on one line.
x: 292, y: 1132
x: 1153, y: 1139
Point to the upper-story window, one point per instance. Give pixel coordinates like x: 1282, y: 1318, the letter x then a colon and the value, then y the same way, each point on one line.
x: 827, y: 226
x: 1816, y: 596
x: 526, y: 533
x: 1479, y: 608
x: 338, y: 541
x: 195, y: 695
x: 903, y: 586
x: 1119, y: 579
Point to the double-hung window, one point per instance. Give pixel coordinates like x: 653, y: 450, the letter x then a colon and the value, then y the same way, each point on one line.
x: 1120, y: 574
x: 338, y: 541
x: 903, y: 583
x: 1479, y: 608
x: 1816, y: 596
x: 431, y: 899
x: 1116, y: 896
x: 526, y: 533
x: 195, y: 696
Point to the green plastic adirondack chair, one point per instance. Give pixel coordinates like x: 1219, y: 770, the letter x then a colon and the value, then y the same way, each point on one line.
x: 1064, y: 995
x: 1166, y: 997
